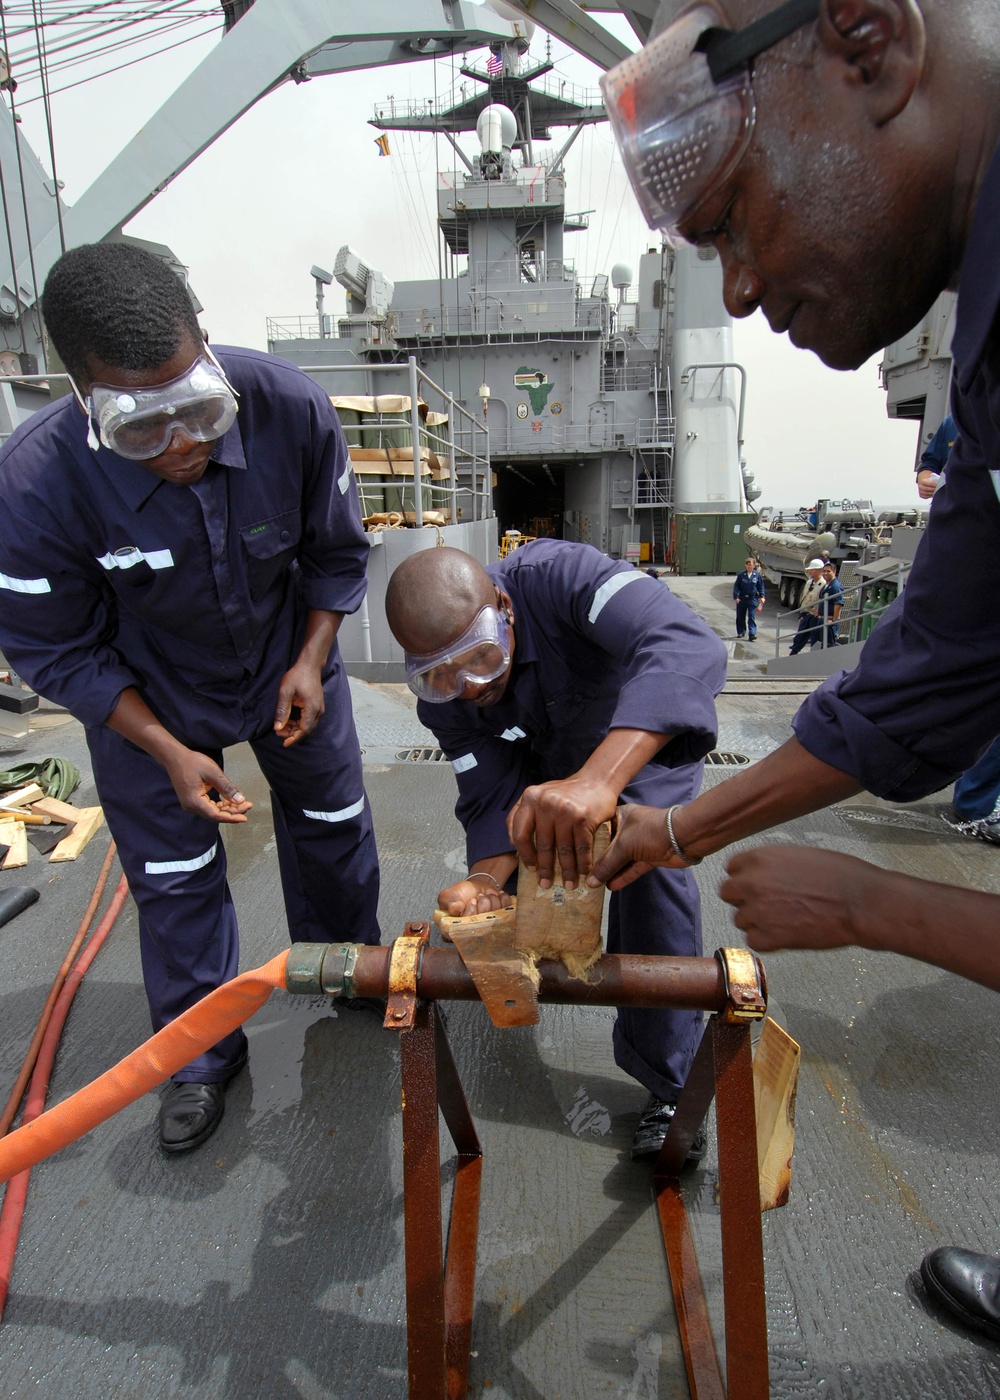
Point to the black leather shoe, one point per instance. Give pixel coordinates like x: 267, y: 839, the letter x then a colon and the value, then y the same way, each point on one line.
x: 190, y: 1114
x: 652, y: 1131
x: 967, y: 1284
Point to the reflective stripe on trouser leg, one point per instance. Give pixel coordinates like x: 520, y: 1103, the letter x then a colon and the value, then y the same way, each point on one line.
x: 328, y: 863
x: 188, y: 936
x: 660, y: 913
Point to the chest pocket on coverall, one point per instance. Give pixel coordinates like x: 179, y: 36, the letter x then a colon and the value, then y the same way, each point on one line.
x: 270, y: 546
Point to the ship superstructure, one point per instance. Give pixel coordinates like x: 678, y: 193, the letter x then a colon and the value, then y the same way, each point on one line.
x: 612, y: 401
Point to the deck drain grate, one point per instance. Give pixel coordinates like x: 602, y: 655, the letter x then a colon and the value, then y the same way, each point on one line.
x: 420, y: 755
x: 725, y: 758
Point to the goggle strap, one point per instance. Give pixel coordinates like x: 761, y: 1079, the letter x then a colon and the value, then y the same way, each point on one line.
x: 730, y: 50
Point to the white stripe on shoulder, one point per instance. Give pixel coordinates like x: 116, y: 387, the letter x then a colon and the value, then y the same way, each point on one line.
x: 463, y: 764
x: 173, y: 867
x: 608, y: 590
x: 25, y: 585
x: 343, y: 815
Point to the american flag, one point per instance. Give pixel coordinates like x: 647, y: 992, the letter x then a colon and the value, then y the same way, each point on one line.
x: 494, y: 64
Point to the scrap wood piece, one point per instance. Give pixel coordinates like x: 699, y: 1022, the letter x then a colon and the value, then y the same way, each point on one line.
x: 12, y: 835
x: 506, y: 979
x: 87, y: 821
x: 558, y: 923
x: 22, y: 796
x: 58, y: 811
x: 775, y: 1083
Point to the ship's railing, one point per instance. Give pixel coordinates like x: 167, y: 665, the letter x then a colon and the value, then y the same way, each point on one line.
x: 863, y: 606
x: 462, y: 440
x: 10, y: 415
x: 617, y: 377
x: 408, y: 108
x: 297, y: 328
x: 551, y: 435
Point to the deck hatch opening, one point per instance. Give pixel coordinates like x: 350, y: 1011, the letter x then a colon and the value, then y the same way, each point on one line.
x: 725, y: 758
x: 421, y: 755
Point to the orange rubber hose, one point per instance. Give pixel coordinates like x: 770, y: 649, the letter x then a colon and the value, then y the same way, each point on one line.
x: 194, y: 1032
x: 16, y: 1194
x: 24, y: 1073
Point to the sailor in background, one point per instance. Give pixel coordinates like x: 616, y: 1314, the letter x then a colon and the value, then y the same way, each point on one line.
x: 831, y: 603
x: 748, y: 594
x: 560, y: 682
x: 810, y: 628
x: 179, y: 541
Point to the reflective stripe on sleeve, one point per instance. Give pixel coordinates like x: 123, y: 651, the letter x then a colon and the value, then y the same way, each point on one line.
x: 513, y: 733
x: 607, y: 591
x: 344, y: 815
x: 995, y: 474
x: 345, y: 480
x: 25, y: 585
x: 463, y: 764
x: 173, y: 867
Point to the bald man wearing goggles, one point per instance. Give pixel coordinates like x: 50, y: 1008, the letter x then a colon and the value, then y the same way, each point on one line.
x: 179, y: 541
x: 559, y: 682
x: 842, y: 157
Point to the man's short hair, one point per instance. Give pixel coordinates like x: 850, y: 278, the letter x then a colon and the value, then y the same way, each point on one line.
x: 117, y: 303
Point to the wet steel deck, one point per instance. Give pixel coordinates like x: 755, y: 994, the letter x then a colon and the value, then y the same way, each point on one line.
x: 269, y: 1263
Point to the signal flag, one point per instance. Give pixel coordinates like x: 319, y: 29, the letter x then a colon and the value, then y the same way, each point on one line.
x: 382, y: 142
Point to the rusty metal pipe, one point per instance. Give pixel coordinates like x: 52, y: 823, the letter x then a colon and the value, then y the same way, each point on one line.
x: 694, y: 984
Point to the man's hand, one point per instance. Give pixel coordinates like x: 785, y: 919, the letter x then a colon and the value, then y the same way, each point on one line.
x: 194, y: 775
x: 472, y: 897
x: 560, y: 818
x: 640, y: 842
x: 927, y: 483
x: 798, y: 897
x: 300, y: 703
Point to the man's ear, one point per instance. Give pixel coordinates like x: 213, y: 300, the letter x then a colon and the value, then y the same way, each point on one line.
x: 883, y: 46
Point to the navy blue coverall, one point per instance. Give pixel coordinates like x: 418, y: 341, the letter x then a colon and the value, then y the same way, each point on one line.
x: 748, y: 591
x: 597, y: 645
x: 923, y: 702
x: 197, y: 595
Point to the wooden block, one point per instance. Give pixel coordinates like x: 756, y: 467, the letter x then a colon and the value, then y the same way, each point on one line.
x: 20, y: 797
x: 13, y: 834
x: 88, y: 819
x: 58, y: 811
x: 775, y: 1083
x: 504, y: 978
x: 561, y: 923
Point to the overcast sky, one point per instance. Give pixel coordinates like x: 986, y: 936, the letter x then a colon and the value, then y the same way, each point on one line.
x: 299, y: 175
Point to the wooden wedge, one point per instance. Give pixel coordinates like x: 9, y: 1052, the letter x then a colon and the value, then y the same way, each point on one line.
x: 87, y: 821
x: 12, y: 834
x: 561, y: 923
x: 22, y: 796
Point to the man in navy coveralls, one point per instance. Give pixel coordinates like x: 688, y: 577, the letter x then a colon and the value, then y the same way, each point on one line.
x: 575, y: 681
x: 851, y: 173
x: 175, y: 561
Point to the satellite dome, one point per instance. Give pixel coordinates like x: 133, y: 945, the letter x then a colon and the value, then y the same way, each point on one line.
x: 496, y: 128
x: 621, y: 275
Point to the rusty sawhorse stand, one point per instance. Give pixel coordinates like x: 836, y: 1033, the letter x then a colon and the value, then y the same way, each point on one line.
x: 440, y: 1285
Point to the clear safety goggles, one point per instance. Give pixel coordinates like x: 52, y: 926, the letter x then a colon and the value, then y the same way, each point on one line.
x: 139, y: 422
x: 682, y: 108
x: 480, y: 655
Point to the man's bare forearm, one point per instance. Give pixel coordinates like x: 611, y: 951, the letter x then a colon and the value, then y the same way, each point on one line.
x: 787, y: 783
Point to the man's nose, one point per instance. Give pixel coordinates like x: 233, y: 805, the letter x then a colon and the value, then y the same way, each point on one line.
x: 742, y: 288
x: 180, y: 440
